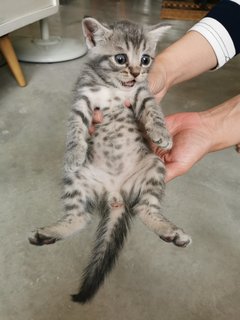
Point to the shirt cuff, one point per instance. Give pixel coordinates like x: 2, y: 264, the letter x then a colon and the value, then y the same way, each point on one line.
x: 218, y: 37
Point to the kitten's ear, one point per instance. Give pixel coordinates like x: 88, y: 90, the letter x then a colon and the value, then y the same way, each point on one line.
x: 94, y: 32
x: 156, y: 32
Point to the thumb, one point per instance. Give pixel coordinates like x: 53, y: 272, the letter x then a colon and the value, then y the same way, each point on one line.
x: 154, y: 83
x: 157, y: 80
x: 173, y: 170
x: 97, y: 116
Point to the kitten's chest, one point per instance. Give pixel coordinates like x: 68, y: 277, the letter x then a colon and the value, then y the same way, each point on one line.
x: 103, y: 97
x: 117, y: 138
x: 118, y: 125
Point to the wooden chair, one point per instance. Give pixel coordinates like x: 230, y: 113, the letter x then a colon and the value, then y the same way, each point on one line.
x: 12, y: 61
x: 14, y: 17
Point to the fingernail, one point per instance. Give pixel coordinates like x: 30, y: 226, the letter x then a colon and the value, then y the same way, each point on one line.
x: 127, y: 103
x: 99, y: 117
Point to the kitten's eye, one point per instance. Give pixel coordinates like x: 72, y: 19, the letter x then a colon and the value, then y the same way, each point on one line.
x: 145, y: 60
x: 121, y: 58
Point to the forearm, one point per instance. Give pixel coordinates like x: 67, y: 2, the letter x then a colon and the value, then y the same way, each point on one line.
x: 223, y: 124
x: 190, y: 56
x: 209, y: 44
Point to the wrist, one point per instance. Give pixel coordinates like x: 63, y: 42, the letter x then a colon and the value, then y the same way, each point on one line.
x: 222, y: 124
x: 209, y: 127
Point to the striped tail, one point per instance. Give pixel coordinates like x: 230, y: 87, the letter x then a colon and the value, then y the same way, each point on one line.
x: 111, y: 233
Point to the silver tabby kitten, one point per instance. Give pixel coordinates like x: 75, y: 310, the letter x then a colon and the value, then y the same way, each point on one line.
x: 113, y: 171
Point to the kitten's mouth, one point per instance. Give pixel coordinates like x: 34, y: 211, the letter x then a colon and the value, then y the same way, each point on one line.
x: 128, y: 84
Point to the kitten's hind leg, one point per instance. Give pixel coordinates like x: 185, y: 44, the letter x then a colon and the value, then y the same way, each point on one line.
x: 150, y: 215
x: 63, y: 228
x: 148, y: 184
x: 79, y: 199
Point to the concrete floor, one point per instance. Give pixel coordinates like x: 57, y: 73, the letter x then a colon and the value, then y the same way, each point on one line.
x: 153, y: 280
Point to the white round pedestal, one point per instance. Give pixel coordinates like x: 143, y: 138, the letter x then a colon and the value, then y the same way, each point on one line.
x: 54, y: 49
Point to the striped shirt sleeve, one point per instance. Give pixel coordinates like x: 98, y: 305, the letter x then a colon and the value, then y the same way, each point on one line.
x: 221, y: 27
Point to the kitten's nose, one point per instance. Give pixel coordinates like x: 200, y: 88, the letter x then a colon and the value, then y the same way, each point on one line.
x: 134, y: 72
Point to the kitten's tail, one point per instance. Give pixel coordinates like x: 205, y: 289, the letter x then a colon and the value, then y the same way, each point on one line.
x: 111, y: 233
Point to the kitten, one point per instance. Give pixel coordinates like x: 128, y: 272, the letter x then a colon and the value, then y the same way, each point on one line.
x: 113, y: 172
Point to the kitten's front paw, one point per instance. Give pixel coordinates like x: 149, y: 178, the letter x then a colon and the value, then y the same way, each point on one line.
x: 164, y: 143
x: 43, y: 236
x: 75, y: 157
x: 160, y: 136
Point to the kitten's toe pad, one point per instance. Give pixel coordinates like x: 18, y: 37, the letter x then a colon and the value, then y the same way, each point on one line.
x: 177, y: 237
x: 164, y: 143
x: 40, y: 238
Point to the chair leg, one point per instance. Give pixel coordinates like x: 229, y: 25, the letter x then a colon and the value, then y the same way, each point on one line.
x: 10, y: 56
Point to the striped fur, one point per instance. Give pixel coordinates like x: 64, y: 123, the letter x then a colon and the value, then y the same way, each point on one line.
x: 113, y: 172
x: 109, y: 241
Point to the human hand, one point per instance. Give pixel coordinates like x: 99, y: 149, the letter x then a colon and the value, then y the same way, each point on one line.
x: 191, y: 142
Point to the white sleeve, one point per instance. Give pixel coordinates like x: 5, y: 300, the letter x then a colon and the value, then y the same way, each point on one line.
x: 221, y: 29
x: 218, y: 37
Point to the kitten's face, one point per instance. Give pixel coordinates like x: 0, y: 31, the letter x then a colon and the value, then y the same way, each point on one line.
x: 124, y: 51
x: 128, y: 64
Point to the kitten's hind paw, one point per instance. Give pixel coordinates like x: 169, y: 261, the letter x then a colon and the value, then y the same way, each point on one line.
x: 178, y: 237
x: 38, y: 238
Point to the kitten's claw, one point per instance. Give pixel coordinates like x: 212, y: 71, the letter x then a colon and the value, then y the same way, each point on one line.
x: 164, y: 143
x: 177, y: 237
x: 160, y: 136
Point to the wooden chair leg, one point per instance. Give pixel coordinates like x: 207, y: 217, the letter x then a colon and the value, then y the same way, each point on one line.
x: 12, y: 61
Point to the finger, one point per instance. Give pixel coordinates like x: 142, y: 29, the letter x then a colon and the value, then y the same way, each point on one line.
x: 172, y: 123
x: 153, y: 83
x: 157, y: 77
x: 127, y: 103
x: 171, y: 172
x: 97, y: 116
x: 91, y: 130
x: 158, y: 97
x: 174, y: 170
x: 158, y: 151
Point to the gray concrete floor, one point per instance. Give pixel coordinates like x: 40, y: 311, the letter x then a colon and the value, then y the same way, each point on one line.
x: 153, y: 280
